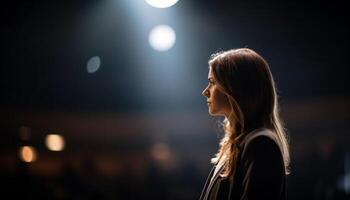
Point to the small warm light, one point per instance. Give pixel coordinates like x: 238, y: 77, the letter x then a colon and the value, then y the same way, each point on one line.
x: 27, y: 154
x: 161, y: 3
x: 93, y: 64
x: 160, y: 151
x: 162, y: 38
x: 54, y: 142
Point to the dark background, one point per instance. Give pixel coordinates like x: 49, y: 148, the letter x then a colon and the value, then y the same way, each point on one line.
x: 138, y: 127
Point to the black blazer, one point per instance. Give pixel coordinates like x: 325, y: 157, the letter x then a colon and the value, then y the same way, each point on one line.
x: 260, y: 172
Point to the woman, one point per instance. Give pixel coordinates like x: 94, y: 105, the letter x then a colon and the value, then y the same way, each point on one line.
x: 253, y: 157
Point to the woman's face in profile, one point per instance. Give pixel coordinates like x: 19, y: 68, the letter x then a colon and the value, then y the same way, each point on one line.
x: 217, y: 101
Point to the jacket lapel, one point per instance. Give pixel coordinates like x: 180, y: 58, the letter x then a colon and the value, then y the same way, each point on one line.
x: 211, y: 183
x: 204, y: 191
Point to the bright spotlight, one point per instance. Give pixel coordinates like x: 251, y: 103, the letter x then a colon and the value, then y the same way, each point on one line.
x: 162, y: 38
x: 93, y: 64
x: 54, y: 142
x: 161, y: 3
x: 27, y: 154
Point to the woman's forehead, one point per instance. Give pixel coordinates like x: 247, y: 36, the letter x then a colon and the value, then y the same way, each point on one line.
x: 210, y: 73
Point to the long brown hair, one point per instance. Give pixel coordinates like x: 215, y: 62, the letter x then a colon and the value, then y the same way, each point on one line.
x: 245, y: 77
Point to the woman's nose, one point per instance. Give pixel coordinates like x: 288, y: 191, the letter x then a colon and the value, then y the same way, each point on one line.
x: 205, y: 92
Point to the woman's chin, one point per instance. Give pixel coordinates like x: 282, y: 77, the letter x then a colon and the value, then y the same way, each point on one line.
x: 215, y: 113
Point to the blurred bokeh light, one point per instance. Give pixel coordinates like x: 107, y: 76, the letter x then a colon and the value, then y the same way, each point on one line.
x: 28, y: 154
x: 55, y: 142
x: 161, y: 3
x: 162, y: 37
x: 93, y: 64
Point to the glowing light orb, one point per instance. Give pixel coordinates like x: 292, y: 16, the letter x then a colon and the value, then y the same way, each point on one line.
x: 162, y: 3
x: 93, y: 64
x: 162, y: 38
x: 54, y: 142
x: 27, y: 154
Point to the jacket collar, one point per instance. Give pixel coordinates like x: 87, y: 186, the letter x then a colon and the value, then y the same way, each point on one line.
x: 209, y: 183
x: 204, y: 191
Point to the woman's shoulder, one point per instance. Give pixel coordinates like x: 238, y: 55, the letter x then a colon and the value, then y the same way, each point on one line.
x: 260, y: 140
x: 261, y: 133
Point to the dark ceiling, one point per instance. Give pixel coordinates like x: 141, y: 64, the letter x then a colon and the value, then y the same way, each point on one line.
x: 45, y: 46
